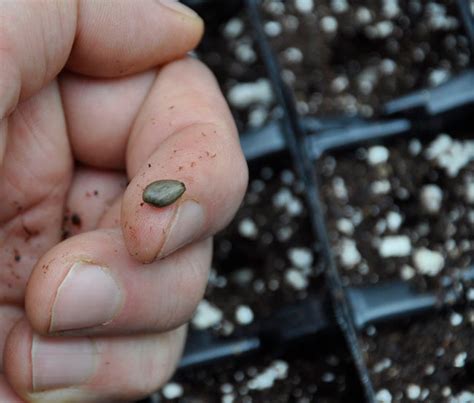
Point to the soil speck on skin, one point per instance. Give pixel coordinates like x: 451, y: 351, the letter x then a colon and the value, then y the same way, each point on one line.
x: 17, y: 255
x: 76, y: 220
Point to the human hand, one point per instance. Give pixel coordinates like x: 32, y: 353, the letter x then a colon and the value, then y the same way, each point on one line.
x: 101, y: 316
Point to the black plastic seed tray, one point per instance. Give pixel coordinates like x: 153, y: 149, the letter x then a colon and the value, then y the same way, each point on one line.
x: 426, y: 112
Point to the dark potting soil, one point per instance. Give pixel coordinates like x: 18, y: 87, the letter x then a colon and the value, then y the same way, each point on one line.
x: 230, y: 52
x: 263, y: 261
x: 317, y: 372
x: 429, y: 359
x: 343, y: 56
x: 404, y: 211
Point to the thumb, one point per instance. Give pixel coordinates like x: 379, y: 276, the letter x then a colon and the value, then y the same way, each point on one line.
x: 119, y: 37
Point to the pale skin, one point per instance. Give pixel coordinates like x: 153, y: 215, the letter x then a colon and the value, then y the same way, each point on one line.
x: 97, y: 100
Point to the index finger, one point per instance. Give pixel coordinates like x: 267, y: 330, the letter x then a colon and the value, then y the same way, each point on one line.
x: 184, y: 132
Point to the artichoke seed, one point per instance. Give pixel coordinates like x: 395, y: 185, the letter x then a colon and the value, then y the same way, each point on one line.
x: 162, y: 193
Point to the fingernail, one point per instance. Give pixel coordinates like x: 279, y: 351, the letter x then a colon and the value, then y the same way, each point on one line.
x: 187, y: 224
x: 179, y: 7
x: 60, y: 363
x: 87, y: 297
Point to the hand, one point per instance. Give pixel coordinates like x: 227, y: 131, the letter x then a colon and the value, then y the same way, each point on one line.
x: 101, y: 316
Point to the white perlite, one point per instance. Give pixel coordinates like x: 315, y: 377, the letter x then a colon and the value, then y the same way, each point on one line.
x: 407, y: 272
x: 296, y: 279
x: 455, y: 319
x: 391, y: 8
x: 451, y: 155
x: 380, y: 187
x: 382, y: 365
x: 470, y: 294
x: 414, y: 147
x: 363, y: 15
x: 304, y: 6
x: 293, y: 55
x: 277, y: 370
x: 339, y: 6
x: 329, y: 24
x: 243, y: 315
x: 206, y: 315
x: 348, y: 253
x: 233, y: 28
x: 377, y: 155
x: 257, y: 116
x: 345, y: 226
x: 381, y: 29
x: 460, y: 360
x: 339, y: 84
x: 172, y: 390
x: 285, y: 199
x: 245, y: 53
x: 413, y: 391
x: 394, y: 220
x: 245, y: 94
x: 248, y: 228
x: 395, y: 246
x: 462, y: 397
x: 272, y: 28
x: 431, y: 197
x: 428, y: 262
x: 301, y: 257
x: 339, y: 188
x: 383, y: 396
x: 230, y: 398
x: 438, y: 76
x: 387, y: 66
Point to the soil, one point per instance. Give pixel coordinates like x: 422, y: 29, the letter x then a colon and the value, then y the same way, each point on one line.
x: 253, y: 259
x: 320, y: 373
x: 230, y: 52
x: 431, y: 359
x: 351, y: 56
x: 407, y: 201
x: 420, y: 190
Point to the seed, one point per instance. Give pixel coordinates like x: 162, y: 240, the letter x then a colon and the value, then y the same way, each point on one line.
x: 162, y: 193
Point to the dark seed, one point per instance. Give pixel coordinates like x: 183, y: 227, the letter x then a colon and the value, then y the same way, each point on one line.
x: 163, y: 193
